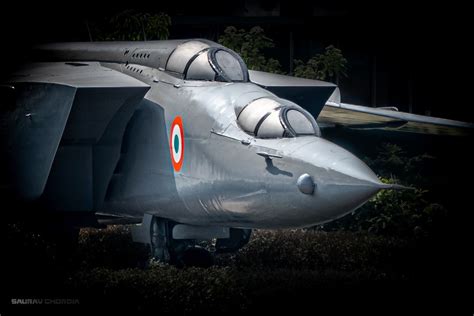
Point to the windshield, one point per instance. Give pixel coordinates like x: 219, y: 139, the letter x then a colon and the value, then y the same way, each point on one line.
x: 195, y: 60
x: 268, y: 118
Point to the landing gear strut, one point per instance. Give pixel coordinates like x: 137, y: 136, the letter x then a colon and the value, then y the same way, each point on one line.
x: 166, y: 249
x: 159, y: 240
x: 177, y: 243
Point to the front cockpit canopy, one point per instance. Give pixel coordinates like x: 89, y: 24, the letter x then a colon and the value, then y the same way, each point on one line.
x: 196, y: 60
x: 269, y: 118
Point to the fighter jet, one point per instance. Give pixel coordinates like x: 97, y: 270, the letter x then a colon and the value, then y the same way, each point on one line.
x: 181, y: 139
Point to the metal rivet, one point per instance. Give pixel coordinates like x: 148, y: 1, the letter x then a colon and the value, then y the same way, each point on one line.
x: 245, y: 142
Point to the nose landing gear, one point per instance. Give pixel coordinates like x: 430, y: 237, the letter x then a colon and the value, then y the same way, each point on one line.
x: 178, y: 244
x: 182, y: 252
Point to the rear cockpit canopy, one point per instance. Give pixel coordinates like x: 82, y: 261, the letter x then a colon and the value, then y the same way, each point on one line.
x: 196, y: 60
x: 273, y: 118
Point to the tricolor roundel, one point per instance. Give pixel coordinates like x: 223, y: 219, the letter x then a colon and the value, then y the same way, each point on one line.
x: 177, y: 143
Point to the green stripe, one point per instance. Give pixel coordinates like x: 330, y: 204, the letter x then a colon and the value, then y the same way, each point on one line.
x: 176, y: 143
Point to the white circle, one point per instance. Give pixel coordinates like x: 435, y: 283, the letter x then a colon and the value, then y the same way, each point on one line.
x: 176, y: 131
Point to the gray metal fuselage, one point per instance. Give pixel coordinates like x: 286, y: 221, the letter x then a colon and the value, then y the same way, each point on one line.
x: 228, y: 177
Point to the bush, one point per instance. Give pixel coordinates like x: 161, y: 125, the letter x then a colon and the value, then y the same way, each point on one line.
x: 274, y: 269
x: 111, y: 247
x: 277, y: 270
x: 405, y: 213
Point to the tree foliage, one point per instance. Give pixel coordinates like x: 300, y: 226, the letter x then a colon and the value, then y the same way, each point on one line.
x: 132, y: 25
x: 392, y: 161
x: 327, y: 66
x: 250, y: 45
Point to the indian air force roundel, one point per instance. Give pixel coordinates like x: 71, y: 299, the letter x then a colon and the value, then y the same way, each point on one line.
x: 177, y: 143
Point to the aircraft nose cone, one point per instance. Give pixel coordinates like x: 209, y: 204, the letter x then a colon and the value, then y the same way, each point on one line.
x: 341, y: 182
x: 331, y: 157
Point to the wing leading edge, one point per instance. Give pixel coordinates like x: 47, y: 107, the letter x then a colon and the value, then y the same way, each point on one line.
x: 367, y: 118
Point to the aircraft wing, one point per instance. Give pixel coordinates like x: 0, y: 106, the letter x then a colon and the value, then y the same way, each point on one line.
x: 72, y: 114
x: 390, y: 119
x: 322, y: 99
x: 310, y: 94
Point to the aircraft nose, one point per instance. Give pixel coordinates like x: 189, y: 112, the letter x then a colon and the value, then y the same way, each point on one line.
x: 335, y: 182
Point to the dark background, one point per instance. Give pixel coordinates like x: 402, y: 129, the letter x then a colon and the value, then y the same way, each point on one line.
x: 399, y: 54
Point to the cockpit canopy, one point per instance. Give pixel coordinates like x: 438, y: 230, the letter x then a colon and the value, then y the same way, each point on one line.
x: 196, y: 60
x: 269, y: 118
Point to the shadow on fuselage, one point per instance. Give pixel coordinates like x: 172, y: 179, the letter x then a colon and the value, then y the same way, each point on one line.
x: 143, y: 174
x: 275, y: 170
